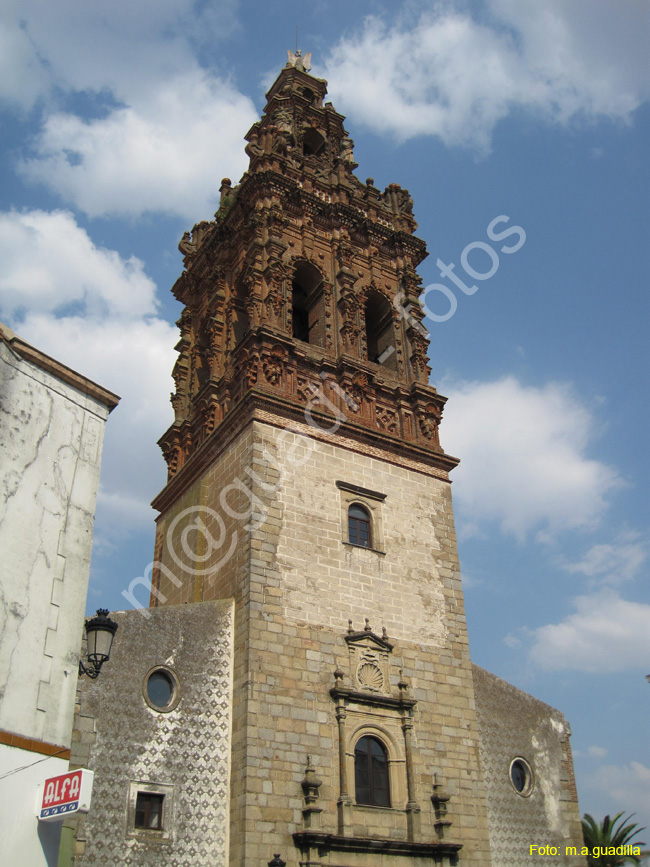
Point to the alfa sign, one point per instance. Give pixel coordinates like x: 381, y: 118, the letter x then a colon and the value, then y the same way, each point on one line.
x: 65, y: 794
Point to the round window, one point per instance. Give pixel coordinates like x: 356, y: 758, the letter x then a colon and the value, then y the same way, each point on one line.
x: 521, y: 776
x: 161, y: 690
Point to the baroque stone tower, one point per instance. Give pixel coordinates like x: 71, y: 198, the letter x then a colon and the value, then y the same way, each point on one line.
x: 306, y: 470
x: 300, y: 690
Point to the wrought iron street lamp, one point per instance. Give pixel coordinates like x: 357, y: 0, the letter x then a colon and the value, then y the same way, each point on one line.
x: 100, y: 631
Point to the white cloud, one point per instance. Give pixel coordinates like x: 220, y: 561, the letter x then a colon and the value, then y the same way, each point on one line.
x: 49, y: 263
x: 597, y: 752
x: 22, y: 76
x: 95, y: 311
x: 166, y: 153
x: 454, y: 76
x: 605, y: 634
x: 627, y: 789
x: 612, y: 563
x: 121, y: 47
x: 157, y: 133
x: 524, y: 462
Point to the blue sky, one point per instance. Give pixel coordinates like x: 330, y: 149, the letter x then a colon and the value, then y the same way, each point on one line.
x: 117, y: 123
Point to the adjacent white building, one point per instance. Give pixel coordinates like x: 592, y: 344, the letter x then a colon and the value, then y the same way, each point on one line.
x: 51, y: 436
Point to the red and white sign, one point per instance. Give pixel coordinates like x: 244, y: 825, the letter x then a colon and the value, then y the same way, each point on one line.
x: 65, y: 794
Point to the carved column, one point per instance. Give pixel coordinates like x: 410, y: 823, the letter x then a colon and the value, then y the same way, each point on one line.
x: 344, y: 803
x: 412, y: 807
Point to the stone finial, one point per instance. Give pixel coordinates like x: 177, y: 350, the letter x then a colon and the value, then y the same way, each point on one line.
x: 277, y: 862
x: 350, y: 629
x: 310, y: 783
x: 402, y: 684
x: 338, y: 676
x: 440, y: 798
x: 298, y: 61
x: 367, y: 627
x: 384, y: 634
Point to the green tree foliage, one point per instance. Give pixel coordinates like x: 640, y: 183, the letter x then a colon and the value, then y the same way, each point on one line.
x: 607, y: 835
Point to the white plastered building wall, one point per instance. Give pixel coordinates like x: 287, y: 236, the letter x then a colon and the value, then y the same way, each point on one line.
x: 51, y: 436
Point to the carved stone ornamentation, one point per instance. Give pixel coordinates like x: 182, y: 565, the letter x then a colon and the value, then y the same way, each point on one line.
x: 272, y: 364
x: 249, y: 362
x: 327, y: 307
x: 276, y: 220
x: 306, y: 389
x: 386, y: 419
x: 350, y: 335
x: 184, y: 323
x: 369, y: 659
x: 172, y: 455
x: 345, y: 254
x: 419, y: 344
x: 429, y: 421
x: 282, y: 120
x: 190, y: 244
x: 348, y: 305
x: 252, y: 308
x: 274, y: 302
x: 347, y: 152
x: 369, y: 675
x: 358, y: 390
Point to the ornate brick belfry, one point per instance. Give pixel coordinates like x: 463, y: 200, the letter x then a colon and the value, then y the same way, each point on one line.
x: 305, y: 283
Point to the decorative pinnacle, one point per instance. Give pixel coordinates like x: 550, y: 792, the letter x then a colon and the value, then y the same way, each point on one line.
x: 367, y: 626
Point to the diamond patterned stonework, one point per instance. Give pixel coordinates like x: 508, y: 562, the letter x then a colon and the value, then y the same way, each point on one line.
x: 186, y: 749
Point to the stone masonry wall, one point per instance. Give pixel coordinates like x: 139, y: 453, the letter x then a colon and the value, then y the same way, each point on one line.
x: 305, y: 584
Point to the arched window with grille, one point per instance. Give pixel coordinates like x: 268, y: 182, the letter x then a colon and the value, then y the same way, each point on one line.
x: 359, y: 526
x: 371, y: 773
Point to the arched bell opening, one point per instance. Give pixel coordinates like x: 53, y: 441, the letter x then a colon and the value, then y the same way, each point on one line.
x: 380, y: 331
x: 313, y: 142
x: 307, y: 305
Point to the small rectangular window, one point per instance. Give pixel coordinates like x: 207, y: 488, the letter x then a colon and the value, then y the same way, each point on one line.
x: 149, y: 811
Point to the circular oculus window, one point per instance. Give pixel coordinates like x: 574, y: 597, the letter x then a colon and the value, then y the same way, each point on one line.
x: 161, y: 689
x: 521, y: 776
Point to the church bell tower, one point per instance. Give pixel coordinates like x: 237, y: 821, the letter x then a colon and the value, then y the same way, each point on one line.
x: 307, y: 482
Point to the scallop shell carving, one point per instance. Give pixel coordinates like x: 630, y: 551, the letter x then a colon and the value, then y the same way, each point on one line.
x: 370, y: 676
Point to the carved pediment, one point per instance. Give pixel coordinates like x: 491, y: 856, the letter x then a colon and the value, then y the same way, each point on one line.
x: 369, y: 659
